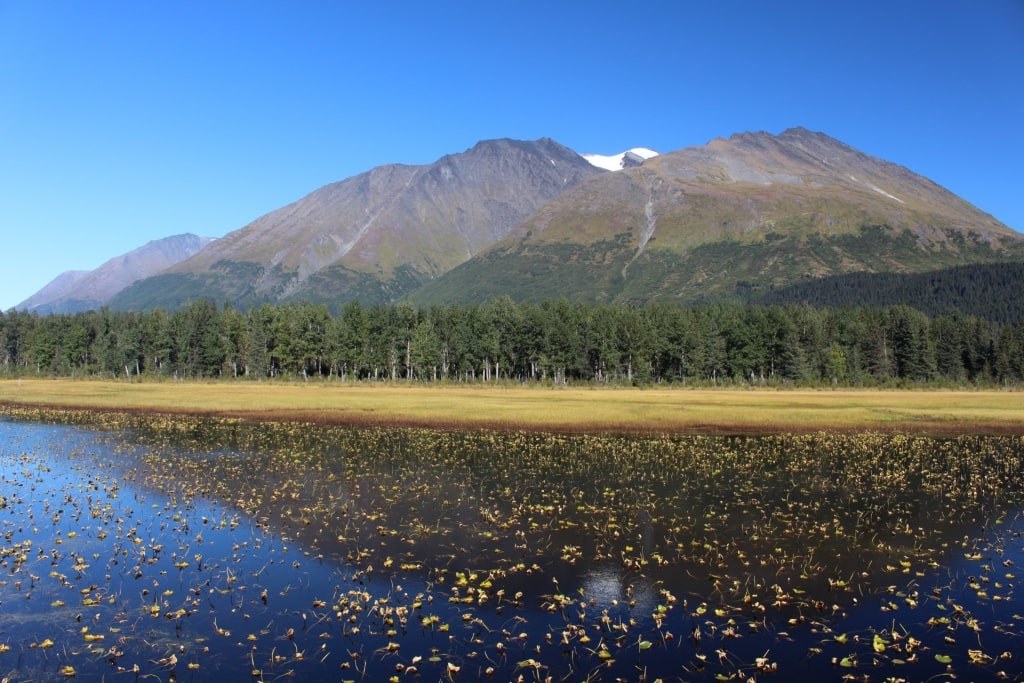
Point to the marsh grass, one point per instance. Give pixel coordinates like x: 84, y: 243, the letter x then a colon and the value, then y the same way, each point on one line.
x: 549, y: 409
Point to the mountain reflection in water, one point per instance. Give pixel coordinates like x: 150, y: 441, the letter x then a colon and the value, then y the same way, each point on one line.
x: 250, y: 552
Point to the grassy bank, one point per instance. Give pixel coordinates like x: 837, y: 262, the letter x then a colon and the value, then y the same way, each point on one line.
x: 565, y: 409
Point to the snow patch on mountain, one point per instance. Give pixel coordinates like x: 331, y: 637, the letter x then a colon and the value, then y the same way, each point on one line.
x: 617, y: 162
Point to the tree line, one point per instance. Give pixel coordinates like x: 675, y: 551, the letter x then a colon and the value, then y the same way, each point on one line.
x: 554, y: 342
x: 988, y: 290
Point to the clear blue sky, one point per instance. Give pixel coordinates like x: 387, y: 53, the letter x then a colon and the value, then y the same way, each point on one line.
x: 126, y: 121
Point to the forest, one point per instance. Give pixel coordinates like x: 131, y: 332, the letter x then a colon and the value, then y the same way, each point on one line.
x: 988, y: 290
x: 554, y: 342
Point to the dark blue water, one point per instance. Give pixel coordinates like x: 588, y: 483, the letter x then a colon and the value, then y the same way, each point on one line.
x: 445, y: 557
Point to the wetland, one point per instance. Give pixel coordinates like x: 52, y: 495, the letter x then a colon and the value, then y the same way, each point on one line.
x: 181, y: 548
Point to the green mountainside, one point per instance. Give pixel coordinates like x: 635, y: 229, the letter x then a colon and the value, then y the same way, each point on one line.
x: 753, y: 213
x: 607, y: 272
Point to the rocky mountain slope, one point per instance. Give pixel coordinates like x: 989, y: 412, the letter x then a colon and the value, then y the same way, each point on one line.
x: 734, y: 218
x: 755, y: 211
x: 376, y: 236
x: 82, y: 290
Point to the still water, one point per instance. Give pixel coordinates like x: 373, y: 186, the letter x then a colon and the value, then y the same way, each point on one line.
x: 155, y: 549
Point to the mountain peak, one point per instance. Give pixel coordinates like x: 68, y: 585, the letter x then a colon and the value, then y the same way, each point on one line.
x: 801, y: 132
x: 377, y: 235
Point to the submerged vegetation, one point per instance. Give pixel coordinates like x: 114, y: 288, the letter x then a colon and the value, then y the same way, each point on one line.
x: 184, y: 548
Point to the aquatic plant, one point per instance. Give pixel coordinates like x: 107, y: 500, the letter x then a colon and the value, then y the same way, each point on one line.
x: 187, y: 547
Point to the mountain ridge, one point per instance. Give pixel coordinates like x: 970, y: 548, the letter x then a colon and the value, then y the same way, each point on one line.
x: 535, y: 220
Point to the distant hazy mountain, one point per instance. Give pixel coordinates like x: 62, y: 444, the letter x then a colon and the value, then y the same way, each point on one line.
x: 82, y: 290
x: 376, y: 236
x: 57, y: 288
x: 748, y: 213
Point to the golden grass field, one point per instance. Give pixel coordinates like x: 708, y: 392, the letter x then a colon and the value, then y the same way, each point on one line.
x: 556, y: 409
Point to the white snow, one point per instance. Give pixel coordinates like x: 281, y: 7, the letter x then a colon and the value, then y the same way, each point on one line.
x: 614, y: 162
x: 883, y: 192
x: 877, y: 189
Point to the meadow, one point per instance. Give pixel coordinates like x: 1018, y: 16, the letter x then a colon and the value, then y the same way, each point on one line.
x: 571, y: 409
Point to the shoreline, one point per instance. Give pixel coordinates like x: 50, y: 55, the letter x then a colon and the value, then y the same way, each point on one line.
x: 558, y: 409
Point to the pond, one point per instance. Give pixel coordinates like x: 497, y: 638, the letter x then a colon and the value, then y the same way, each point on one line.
x: 192, y: 549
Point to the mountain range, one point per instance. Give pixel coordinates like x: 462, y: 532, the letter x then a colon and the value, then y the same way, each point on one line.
x: 535, y: 220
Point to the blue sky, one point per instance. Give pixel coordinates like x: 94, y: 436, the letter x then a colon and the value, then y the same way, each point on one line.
x: 122, y: 122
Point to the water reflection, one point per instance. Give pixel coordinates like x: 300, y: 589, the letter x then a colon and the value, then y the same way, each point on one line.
x: 251, y: 553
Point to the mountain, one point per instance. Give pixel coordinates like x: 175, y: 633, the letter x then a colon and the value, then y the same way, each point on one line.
x: 728, y: 219
x: 376, y: 236
x: 82, y: 290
